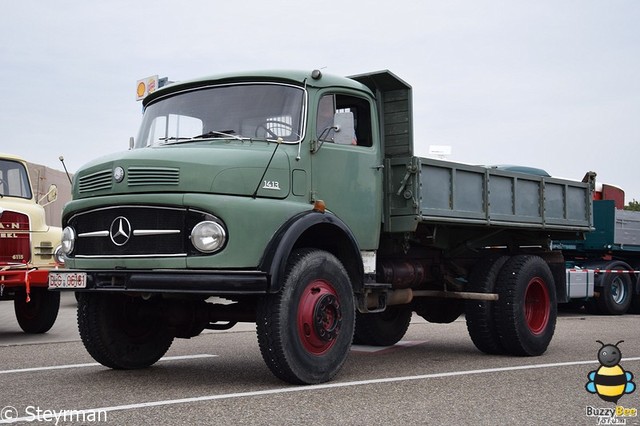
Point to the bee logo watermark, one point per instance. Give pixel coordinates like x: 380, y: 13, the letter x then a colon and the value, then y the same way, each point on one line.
x: 610, y: 382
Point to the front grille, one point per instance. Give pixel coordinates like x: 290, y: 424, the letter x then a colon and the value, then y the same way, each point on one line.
x: 95, y: 181
x: 130, y: 231
x: 44, y: 250
x: 14, y: 238
x: 153, y: 176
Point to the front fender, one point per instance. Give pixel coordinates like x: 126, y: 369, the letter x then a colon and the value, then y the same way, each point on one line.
x: 312, y: 229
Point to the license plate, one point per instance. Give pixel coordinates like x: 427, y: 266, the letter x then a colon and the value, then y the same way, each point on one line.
x: 67, y: 279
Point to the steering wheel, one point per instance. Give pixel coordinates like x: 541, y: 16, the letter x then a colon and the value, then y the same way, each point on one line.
x: 274, y: 124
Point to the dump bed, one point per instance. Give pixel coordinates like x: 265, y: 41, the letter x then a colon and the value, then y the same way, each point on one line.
x: 616, y: 231
x: 421, y: 190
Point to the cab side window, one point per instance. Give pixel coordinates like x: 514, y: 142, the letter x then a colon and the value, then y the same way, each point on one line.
x: 359, y: 107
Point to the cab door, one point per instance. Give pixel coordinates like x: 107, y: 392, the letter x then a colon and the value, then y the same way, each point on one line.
x: 348, y: 176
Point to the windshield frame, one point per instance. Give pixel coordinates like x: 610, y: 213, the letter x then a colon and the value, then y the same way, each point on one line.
x: 25, y: 190
x: 224, y: 134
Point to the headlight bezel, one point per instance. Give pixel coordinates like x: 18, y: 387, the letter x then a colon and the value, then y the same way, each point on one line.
x: 208, y: 236
x: 59, y: 256
x: 68, y: 240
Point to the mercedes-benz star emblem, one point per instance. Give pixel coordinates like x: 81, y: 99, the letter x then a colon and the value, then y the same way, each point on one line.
x: 120, y: 231
x: 118, y: 174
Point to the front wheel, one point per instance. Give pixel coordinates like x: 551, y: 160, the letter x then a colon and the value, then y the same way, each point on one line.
x: 526, y: 310
x: 305, y: 330
x: 122, y: 332
x: 40, y: 313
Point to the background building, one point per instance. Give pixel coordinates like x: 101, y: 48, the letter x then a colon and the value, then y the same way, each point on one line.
x: 41, y: 178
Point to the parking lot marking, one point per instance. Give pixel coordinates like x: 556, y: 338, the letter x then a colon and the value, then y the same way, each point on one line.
x: 323, y: 386
x: 95, y: 364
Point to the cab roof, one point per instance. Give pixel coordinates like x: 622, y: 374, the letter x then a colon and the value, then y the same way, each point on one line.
x: 296, y: 77
x: 11, y: 157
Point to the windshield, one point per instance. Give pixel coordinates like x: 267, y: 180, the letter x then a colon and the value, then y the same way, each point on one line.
x: 13, y: 180
x: 243, y: 111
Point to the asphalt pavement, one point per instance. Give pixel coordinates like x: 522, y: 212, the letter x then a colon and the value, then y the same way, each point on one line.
x: 434, y: 376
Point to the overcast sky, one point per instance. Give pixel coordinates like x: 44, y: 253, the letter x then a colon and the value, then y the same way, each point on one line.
x: 553, y: 84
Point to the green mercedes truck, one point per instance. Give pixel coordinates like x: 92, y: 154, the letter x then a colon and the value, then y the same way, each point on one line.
x: 294, y: 200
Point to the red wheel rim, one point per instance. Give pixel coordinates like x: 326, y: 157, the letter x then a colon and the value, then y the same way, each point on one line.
x: 319, y: 317
x: 537, y: 306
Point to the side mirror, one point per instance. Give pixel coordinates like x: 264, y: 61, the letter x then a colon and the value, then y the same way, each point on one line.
x: 345, y: 133
x: 51, y: 195
x: 131, y: 143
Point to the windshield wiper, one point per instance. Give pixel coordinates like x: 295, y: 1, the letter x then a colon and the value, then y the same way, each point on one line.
x: 173, y: 138
x: 217, y: 134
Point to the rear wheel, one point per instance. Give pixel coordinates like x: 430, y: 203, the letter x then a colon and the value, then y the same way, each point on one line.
x: 479, y: 313
x: 384, y: 328
x: 526, y: 311
x: 616, y: 294
x: 121, y: 332
x: 305, y: 330
x: 40, y: 313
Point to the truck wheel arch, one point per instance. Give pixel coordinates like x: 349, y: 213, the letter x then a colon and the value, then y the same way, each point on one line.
x: 312, y: 229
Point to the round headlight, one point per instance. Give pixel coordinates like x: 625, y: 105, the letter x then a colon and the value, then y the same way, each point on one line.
x: 68, y: 240
x: 59, y: 255
x: 208, y: 236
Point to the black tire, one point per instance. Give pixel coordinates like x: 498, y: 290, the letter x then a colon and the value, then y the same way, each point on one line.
x: 305, y: 330
x: 382, y: 329
x: 616, y: 293
x: 40, y: 313
x: 479, y: 313
x: 526, y: 311
x: 117, y: 335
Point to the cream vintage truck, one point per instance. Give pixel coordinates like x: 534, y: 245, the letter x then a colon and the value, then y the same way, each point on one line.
x: 29, y: 248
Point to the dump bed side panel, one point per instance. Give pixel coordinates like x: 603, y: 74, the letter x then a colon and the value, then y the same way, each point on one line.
x: 434, y: 191
x: 615, y: 230
x: 627, y: 230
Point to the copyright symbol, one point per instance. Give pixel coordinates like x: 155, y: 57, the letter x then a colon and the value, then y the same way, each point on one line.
x: 8, y: 413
